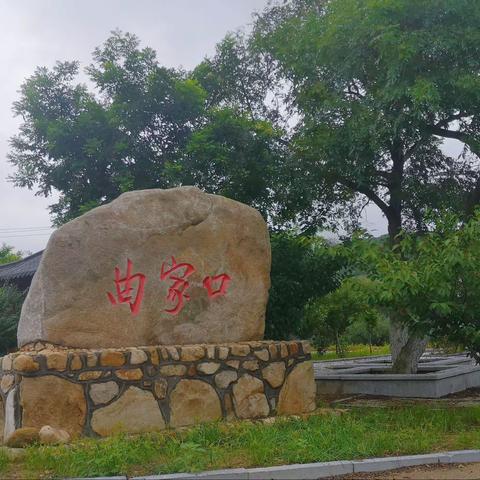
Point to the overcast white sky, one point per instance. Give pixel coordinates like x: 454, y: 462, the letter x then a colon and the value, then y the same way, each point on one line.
x: 34, y: 33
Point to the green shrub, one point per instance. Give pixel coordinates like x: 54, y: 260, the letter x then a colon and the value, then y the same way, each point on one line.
x: 11, y: 299
x: 430, y: 282
x: 7, y: 254
x: 303, y: 268
x: 329, y: 317
x: 362, y: 332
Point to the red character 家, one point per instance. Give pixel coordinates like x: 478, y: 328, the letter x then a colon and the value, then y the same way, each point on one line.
x: 123, y: 286
x: 178, y: 272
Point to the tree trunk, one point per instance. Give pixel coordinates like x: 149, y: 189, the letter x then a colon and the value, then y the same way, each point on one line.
x: 338, y: 347
x: 406, y: 349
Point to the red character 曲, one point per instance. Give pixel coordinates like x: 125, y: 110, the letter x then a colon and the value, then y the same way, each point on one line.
x: 216, y: 285
x: 123, y: 286
x: 178, y: 272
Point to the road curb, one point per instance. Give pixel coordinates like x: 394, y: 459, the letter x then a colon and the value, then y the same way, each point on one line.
x: 317, y: 470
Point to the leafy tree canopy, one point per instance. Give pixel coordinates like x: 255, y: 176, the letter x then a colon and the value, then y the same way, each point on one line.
x: 303, y: 269
x: 235, y: 156
x: 91, y: 146
x: 142, y: 126
x: 375, y: 86
x: 327, y: 318
x: 429, y: 282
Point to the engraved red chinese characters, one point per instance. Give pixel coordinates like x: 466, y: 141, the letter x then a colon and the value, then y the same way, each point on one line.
x: 216, y: 285
x: 178, y: 272
x: 124, y: 288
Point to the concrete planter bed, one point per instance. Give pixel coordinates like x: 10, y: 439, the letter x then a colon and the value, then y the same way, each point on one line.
x: 437, y: 377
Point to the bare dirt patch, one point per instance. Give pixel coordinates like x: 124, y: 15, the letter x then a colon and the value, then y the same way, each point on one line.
x: 460, y: 471
x: 467, y: 398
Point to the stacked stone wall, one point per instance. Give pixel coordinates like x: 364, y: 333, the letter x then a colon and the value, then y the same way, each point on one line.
x: 102, y: 392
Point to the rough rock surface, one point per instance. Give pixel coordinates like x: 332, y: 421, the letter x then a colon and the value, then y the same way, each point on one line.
x: 225, y: 378
x: 7, y: 383
x: 136, y: 411
x: 249, y: 398
x: 193, y: 401
x: 9, y: 415
x: 103, y: 392
x: 41, y: 406
x: 298, y: 393
x: 274, y: 374
x: 160, y: 387
x: 53, y: 436
x: 2, y: 416
x: 22, y: 437
x: 213, y: 234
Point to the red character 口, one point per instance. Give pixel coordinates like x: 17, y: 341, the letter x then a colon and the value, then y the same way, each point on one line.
x: 178, y: 272
x: 123, y: 286
x: 216, y: 285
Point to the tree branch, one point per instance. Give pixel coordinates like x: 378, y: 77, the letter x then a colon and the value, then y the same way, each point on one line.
x: 352, y: 89
x: 446, y: 121
x: 368, y: 192
x: 438, y: 129
x: 442, y: 132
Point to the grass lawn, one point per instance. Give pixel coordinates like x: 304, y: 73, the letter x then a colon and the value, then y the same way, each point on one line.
x: 353, y: 351
x: 357, y: 433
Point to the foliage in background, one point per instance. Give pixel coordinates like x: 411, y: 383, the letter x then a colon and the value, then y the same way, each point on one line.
x: 143, y: 126
x: 365, y: 332
x: 374, y: 87
x: 303, y: 268
x: 352, y: 350
x: 337, y: 102
x: 8, y: 255
x: 234, y: 156
x: 431, y: 283
x: 92, y: 146
x: 329, y: 317
x: 11, y: 300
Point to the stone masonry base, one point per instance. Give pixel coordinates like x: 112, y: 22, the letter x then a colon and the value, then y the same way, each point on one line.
x: 141, y: 389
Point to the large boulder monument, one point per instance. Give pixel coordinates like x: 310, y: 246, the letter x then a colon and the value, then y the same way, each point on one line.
x: 148, y: 313
x: 153, y: 267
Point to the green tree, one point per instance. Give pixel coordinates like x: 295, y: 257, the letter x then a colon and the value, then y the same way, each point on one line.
x: 7, y: 254
x: 244, y: 80
x: 234, y: 156
x: 375, y: 87
x: 146, y: 126
x: 11, y: 300
x: 328, y: 318
x: 429, y: 282
x: 375, y: 84
x: 92, y: 145
x: 303, y: 269
x: 241, y: 78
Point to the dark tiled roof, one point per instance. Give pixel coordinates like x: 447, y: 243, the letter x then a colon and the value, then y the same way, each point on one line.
x: 24, y: 268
